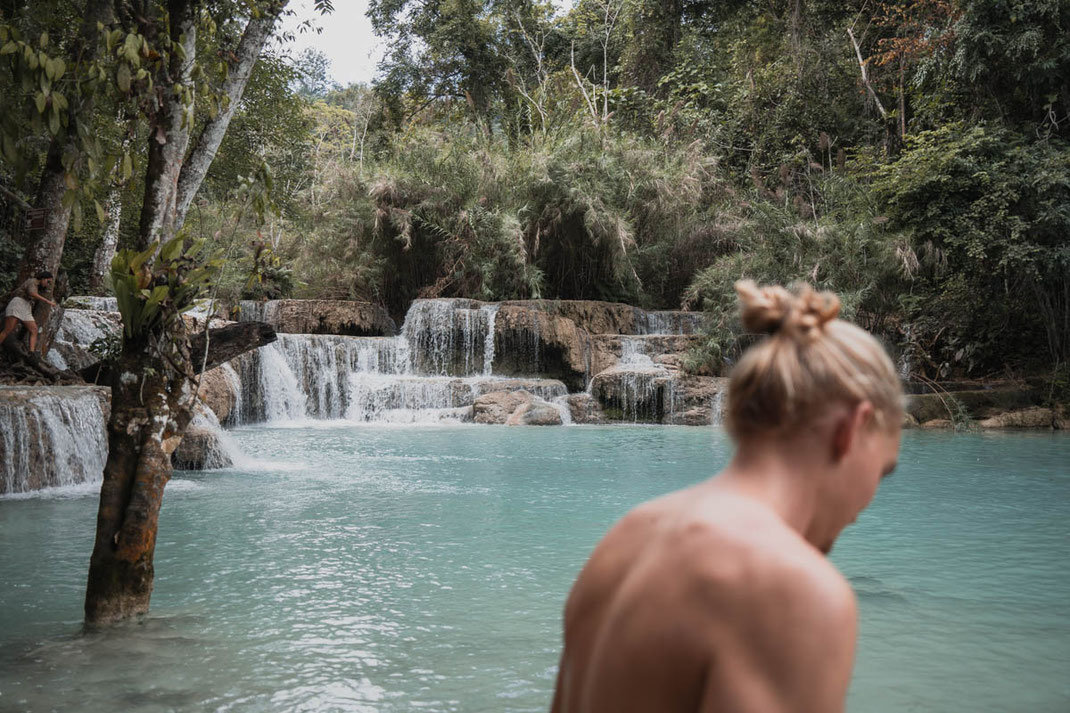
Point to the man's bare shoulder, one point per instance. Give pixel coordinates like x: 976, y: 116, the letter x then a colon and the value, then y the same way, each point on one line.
x: 752, y: 556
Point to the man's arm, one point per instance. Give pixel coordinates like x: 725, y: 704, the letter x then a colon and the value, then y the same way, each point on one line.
x: 793, y: 652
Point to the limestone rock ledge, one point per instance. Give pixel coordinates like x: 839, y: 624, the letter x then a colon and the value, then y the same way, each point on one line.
x: 343, y: 317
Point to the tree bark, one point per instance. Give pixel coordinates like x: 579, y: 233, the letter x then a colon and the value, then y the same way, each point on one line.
x: 220, y: 345
x: 149, y: 412
x: 106, y: 250
x: 257, y: 31
x: 46, y: 248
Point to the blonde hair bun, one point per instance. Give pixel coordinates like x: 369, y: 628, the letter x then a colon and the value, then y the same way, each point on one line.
x: 801, y: 313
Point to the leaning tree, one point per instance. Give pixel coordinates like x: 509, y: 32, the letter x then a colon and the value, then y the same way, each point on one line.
x: 179, y: 68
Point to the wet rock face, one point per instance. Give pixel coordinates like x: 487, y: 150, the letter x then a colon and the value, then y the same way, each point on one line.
x: 218, y: 392
x: 530, y: 341
x: 52, y: 436
x: 200, y: 449
x: 585, y: 408
x: 78, y: 331
x: 343, y: 317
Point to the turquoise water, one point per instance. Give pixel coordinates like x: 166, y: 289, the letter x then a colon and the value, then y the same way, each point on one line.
x: 406, y: 569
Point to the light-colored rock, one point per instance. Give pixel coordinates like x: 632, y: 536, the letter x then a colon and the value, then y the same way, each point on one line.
x: 218, y: 393
x: 535, y: 413
x: 497, y: 406
x: 1035, y: 417
x: 937, y: 423
x: 345, y: 317
x: 514, y: 408
x: 584, y: 408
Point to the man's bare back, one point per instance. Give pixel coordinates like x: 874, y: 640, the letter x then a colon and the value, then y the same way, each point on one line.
x: 718, y: 598
x: 705, y: 600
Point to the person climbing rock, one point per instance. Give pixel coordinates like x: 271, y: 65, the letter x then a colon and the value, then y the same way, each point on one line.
x: 20, y: 308
x: 719, y: 597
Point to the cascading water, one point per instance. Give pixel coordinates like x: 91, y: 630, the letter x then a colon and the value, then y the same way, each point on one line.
x: 639, y: 388
x: 434, y: 370
x: 717, y: 409
x: 50, y: 438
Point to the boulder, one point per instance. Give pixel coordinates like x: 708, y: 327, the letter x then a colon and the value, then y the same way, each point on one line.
x: 218, y: 391
x: 200, y: 449
x: 1035, y: 417
x: 535, y: 413
x: 497, y: 406
x: 937, y: 423
x: 356, y: 319
x: 78, y: 331
x: 584, y: 408
x: 515, y: 408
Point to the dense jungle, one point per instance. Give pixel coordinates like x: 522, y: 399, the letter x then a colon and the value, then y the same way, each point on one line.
x: 912, y: 156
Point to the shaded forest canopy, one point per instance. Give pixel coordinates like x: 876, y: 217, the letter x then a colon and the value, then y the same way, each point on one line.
x: 912, y: 156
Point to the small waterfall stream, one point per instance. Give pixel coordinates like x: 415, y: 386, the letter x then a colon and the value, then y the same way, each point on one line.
x: 51, y: 438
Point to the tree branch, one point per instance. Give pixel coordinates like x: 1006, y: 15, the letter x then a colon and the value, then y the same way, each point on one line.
x: 257, y: 31
x: 865, y: 75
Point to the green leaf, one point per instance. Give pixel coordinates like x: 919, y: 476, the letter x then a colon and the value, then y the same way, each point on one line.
x: 9, y: 48
x: 122, y: 76
x: 102, y: 216
x: 53, y: 123
x: 171, y: 250
x: 39, y: 100
x: 44, y: 40
x: 142, y: 257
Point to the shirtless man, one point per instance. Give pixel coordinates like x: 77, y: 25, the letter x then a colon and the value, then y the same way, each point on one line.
x: 719, y: 597
x: 20, y: 308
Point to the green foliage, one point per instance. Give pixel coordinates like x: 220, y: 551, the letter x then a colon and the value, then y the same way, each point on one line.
x: 988, y: 214
x: 154, y: 293
x: 847, y: 247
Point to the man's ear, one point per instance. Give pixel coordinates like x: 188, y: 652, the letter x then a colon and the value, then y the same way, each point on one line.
x: 848, y: 427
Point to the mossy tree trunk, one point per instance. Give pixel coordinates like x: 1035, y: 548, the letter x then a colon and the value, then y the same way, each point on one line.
x: 153, y: 387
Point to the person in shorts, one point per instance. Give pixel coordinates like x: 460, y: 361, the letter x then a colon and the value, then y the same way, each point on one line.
x: 20, y: 308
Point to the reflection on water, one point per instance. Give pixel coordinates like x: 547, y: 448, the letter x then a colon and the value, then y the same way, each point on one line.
x: 390, y: 569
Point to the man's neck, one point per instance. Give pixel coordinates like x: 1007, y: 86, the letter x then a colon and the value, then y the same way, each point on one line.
x: 781, y: 478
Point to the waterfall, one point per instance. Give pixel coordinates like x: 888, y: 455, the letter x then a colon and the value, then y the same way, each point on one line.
x: 281, y: 397
x: 222, y: 451
x: 717, y: 408
x: 490, y: 312
x: 52, y: 437
x: 639, y: 388
x: 669, y: 322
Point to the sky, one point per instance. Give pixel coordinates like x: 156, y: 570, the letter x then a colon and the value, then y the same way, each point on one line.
x: 346, y: 38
